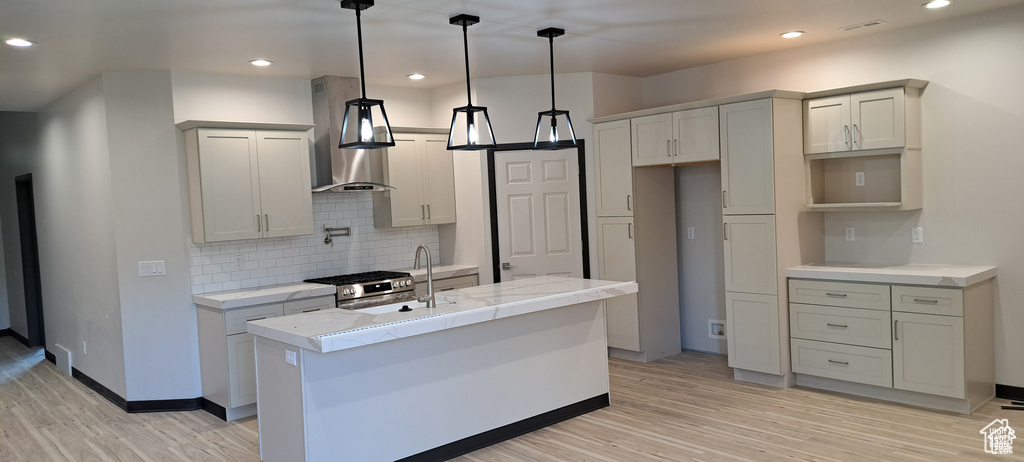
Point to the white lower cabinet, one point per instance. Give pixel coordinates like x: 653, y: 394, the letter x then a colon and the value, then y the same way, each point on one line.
x: 927, y: 346
x: 227, y: 360
x: 752, y: 327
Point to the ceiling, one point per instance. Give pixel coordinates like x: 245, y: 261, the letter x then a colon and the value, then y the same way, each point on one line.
x: 77, y: 40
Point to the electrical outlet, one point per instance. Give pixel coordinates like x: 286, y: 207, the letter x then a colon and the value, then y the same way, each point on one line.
x: 850, y: 236
x: 859, y: 178
x: 239, y: 260
x: 917, y: 235
x: 84, y: 351
x: 716, y: 329
x: 291, y: 357
x: 689, y: 232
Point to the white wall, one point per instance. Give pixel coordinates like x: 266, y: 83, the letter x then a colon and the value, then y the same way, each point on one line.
x: 407, y: 107
x: 151, y: 223
x: 973, y: 110
x: 76, y: 234
x: 18, y: 132
x: 701, y: 259
x: 241, y: 98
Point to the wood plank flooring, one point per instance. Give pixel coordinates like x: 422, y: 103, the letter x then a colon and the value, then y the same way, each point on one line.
x: 683, y: 408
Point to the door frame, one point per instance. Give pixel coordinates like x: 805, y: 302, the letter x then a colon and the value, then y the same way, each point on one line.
x: 31, y: 279
x: 493, y: 203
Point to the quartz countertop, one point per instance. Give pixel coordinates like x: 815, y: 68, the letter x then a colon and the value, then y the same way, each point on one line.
x: 229, y: 299
x: 335, y: 329
x: 442, y: 272
x: 925, y: 275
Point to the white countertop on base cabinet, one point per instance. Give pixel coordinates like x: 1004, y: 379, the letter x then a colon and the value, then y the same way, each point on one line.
x: 914, y: 274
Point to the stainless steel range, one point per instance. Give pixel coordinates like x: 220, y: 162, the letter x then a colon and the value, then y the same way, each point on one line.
x: 374, y: 288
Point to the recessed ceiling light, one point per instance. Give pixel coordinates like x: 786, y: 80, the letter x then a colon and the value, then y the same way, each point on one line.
x: 416, y: 76
x: 261, y: 62
x: 792, y: 34
x: 936, y: 4
x: 19, y: 42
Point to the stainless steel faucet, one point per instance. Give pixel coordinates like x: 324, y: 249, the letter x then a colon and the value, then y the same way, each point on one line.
x: 429, y: 297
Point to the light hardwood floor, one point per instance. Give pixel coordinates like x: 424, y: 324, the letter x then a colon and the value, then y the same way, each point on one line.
x: 686, y: 407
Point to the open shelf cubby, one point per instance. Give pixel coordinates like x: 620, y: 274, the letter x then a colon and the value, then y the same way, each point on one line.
x: 891, y: 180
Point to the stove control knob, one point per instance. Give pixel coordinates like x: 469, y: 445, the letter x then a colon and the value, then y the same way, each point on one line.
x: 346, y: 291
x: 403, y: 283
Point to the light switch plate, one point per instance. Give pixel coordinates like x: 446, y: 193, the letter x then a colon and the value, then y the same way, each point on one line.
x: 689, y: 232
x: 152, y: 268
x: 291, y: 357
x: 850, y: 236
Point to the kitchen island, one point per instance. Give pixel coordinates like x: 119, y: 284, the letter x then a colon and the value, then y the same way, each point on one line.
x: 488, y: 363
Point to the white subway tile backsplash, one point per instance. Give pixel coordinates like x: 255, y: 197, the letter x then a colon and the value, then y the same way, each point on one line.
x: 288, y: 260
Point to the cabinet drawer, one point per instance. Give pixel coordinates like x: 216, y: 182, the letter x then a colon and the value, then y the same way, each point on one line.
x: 234, y: 320
x: 928, y: 300
x: 872, y: 366
x: 851, y: 326
x: 309, y: 304
x: 844, y: 294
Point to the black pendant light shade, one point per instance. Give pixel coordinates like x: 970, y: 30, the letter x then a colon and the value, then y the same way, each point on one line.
x: 471, y: 127
x: 365, y: 125
x: 553, y: 133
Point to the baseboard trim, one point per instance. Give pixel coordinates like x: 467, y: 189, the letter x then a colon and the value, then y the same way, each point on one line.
x: 20, y: 338
x: 512, y: 430
x: 215, y: 409
x: 5, y: 332
x: 133, y: 407
x: 1010, y: 392
x: 50, y: 356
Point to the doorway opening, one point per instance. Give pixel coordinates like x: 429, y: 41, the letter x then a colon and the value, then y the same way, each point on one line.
x: 30, y: 261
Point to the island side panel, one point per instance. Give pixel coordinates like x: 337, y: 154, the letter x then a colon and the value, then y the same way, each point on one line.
x: 279, y: 401
x: 398, y: 398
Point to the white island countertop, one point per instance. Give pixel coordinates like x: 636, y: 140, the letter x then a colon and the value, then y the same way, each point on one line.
x: 924, y: 275
x: 337, y: 329
x: 229, y: 299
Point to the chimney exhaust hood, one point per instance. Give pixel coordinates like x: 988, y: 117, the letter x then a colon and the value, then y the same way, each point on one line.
x: 339, y: 170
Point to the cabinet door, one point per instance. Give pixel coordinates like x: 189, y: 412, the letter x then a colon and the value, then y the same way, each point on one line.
x: 439, y: 180
x: 613, y: 169
x: 878, y: 119
x: 230, y: 184
x: 405, y: 172
x: 748, y: 169
x: 696, y: 135
x: 241, y: 370
x: 285, y: 196
x: 652, y: 140
x: 752, y: 332
x: 827, y: 125
x: 928, y: 354
x: 616, y: 257
x: 750, y: 260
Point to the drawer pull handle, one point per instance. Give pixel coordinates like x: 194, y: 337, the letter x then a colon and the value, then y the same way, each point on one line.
x: 832, y: 294
x: 255, y: 319
x: 895, y: 329
x: 445, y: 289
x: 310, y: 311
x: 843, y: 326
x: 842, y: 363
x: 926, y: 300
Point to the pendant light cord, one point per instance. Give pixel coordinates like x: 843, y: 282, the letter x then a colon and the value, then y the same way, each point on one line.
x: 551, y: 43
x: 465, y: 46
x: 359, y: 34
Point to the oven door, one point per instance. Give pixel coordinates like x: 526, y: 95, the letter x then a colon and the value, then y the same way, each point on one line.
x: 377, y: 300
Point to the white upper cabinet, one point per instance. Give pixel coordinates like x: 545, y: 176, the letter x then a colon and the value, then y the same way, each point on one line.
x: 246, y: 184
x: 676, y: 138
x: 865, y: 120
x: 613, y: 169
x: 421, y: 169
x: 748, y: 166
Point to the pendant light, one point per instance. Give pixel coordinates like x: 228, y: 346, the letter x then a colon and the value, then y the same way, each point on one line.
x: 547, y: 121
x: 361, y: 114
x: 471, y: 128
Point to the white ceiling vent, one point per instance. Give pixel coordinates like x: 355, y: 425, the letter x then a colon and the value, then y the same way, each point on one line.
x: 862, y: 25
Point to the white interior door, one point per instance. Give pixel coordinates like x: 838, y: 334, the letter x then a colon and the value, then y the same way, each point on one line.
x: 538, y: 209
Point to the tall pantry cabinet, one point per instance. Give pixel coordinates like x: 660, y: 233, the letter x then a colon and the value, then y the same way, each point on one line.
x: 764, y: 231
x: 636, y: 242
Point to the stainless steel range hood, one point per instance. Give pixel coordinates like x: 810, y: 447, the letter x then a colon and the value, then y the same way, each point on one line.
x: 339, y: 170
